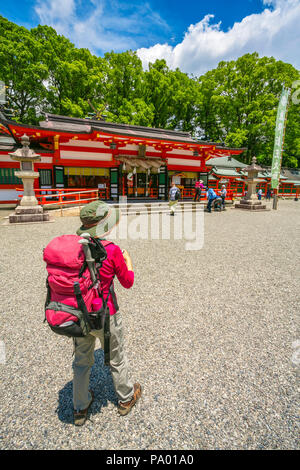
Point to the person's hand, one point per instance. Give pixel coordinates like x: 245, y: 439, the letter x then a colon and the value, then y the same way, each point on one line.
x: 127, y: 260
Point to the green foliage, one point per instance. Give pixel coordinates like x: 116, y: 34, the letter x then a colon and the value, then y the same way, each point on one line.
x: 21, y: 69
x: 243, y: 96
x: 237, y: 138
x: 135, y: 112
x: 123, y: 81
x: 235, y: 103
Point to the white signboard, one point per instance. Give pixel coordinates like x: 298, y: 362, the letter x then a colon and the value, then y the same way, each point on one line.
x: 279, y: 136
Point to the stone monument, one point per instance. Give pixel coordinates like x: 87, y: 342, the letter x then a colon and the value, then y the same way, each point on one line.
x: 250, y: 201
x: 28, y: 210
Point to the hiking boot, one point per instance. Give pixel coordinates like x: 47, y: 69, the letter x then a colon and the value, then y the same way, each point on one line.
x: 80, y: 417
x: 124, y: 408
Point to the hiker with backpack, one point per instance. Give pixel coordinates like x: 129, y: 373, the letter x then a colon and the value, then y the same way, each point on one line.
x: 81, y: 301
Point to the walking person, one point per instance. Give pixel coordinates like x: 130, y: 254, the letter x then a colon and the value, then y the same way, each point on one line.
x: 174, y: 195
x: 268, y: 196
x: 259, y: 194
x: 98, y: 219
x: 223, y: 195
x: 198, y: 189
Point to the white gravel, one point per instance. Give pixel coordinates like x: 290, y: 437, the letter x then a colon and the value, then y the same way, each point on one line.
x: 210, y: 335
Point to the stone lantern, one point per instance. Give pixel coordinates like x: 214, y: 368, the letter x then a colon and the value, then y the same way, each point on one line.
x: 29, y: 210
x: 250, y: 201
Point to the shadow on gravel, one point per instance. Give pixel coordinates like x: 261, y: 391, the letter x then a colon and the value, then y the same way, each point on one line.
x: 100, y: 382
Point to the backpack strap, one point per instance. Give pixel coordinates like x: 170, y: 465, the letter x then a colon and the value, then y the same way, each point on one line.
x: 113, y: 296
x: 106, y: 332
x: 48, y: 297
x: 81, y: 304
x: 82, y: 269
x: 107, y: 336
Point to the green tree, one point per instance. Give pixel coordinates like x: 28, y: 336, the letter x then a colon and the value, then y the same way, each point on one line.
x: 74, y: 75
x: 207, y: 118
x: 157, y: 91
x: 244, y: 98
x: 134, y: 112
x: 122, y: 83
x: 22, y: 70
x: 182, y: 106
x: 235, y: 103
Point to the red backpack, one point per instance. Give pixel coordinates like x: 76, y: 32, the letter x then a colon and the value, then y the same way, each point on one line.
x: 73, y: 283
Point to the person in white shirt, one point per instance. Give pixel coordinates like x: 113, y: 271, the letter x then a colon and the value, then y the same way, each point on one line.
x: 174, y: 195
x: 223, y: 195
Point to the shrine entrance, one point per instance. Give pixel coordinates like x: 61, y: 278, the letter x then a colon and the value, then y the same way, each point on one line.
x: 142, y: 178
x: 140, y: 184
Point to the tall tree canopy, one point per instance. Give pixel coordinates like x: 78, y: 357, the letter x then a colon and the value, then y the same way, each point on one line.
x: 244, y: 96
x: 235, y: 103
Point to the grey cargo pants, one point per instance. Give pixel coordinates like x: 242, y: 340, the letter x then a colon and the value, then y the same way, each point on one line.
x: 84, y: 360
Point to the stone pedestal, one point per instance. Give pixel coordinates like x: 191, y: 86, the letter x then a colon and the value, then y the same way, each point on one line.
x: 250, y: 202
x: 250, y: 205
x: 28, y: 210
x: 28, y: 178
x: 28, y: 214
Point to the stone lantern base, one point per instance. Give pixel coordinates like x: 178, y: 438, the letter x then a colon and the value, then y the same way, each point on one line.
x: 28, y: 214
x: 250, y: 205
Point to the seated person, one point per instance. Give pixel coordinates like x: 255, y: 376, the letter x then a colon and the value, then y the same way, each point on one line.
x: 217, y: 203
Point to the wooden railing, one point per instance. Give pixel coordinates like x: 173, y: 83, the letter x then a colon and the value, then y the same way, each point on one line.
x: 62, y: 196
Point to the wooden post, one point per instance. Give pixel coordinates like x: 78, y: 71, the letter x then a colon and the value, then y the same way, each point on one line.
x: 146, y: 188
x: 275, y: 199
x: 60, y: 201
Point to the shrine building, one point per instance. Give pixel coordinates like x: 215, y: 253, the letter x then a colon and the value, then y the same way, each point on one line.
x: 117, y: 159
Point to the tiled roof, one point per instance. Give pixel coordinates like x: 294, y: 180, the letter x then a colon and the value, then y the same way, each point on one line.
x: 226, y: 172
x: 225, y: 162
x: 291, y: 174
x: 88, y: 125
x: 296, y: 182
x: 6, y: 142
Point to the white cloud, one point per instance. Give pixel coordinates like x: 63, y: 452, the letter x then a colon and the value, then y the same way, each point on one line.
x: 274, y: 32
x: 50, y: 9
x: 105, y: 25
x: 101, y: 25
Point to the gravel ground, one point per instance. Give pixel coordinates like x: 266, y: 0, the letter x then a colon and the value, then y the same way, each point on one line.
x: 210, y: 335
x: 5, y: 212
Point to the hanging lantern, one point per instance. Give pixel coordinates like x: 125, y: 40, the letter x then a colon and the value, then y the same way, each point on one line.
x: 134, y: 170
x: 124, y: 166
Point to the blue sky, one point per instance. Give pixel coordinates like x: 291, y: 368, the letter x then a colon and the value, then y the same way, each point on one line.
x: 176, y: 14
x: 193, y: 35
